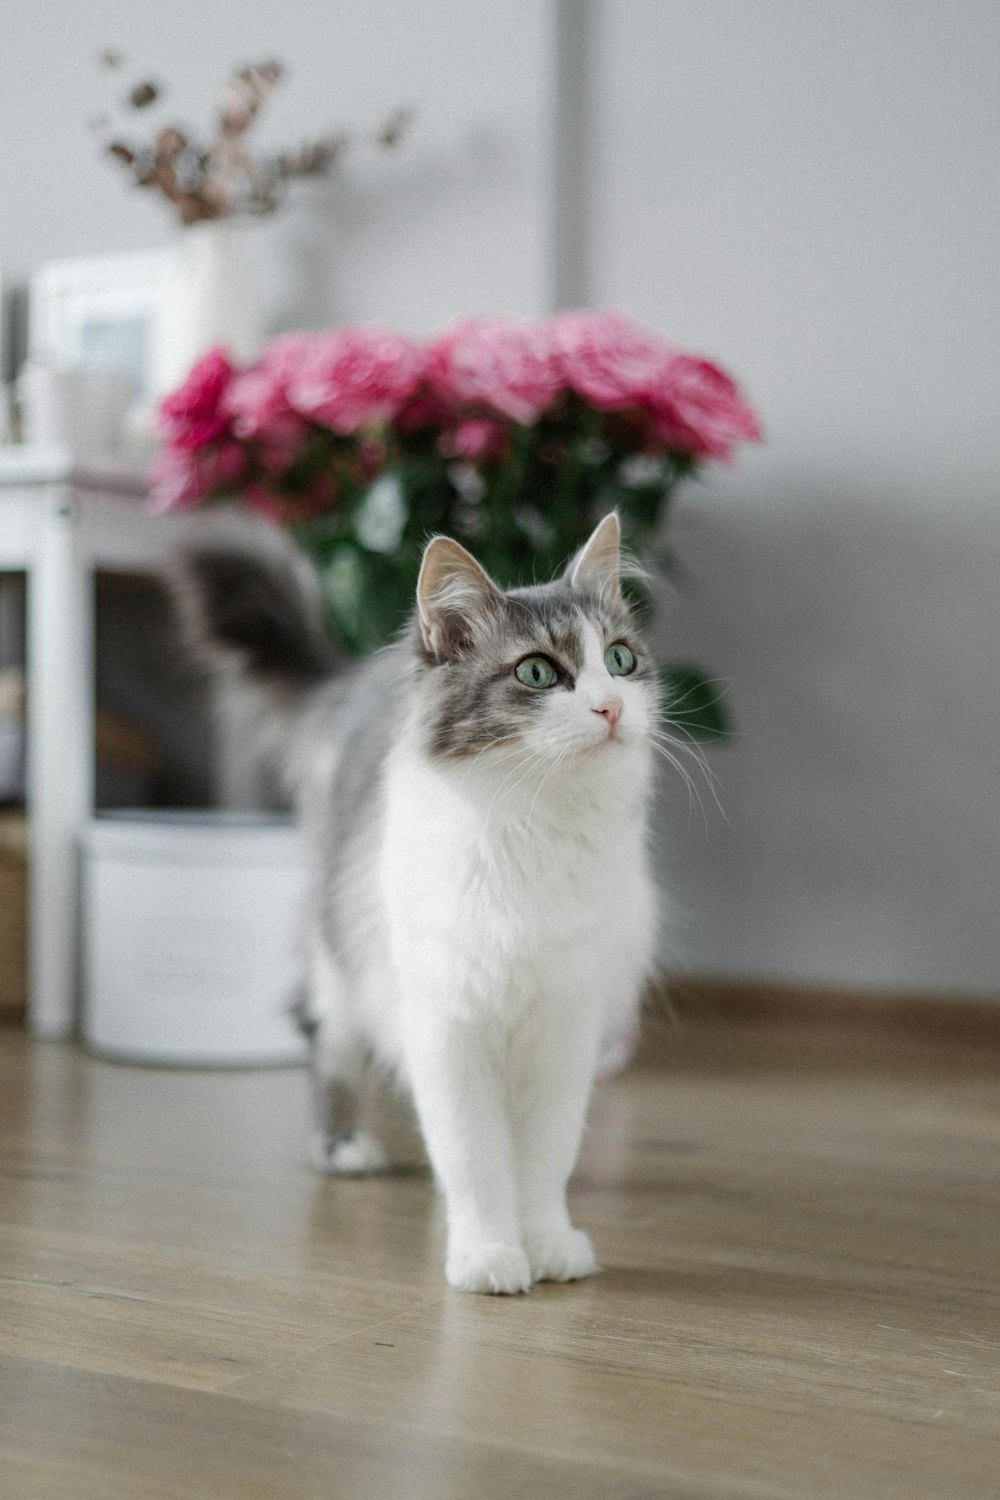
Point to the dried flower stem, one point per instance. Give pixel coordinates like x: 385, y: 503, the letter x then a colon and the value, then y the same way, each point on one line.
x: 224, y: 178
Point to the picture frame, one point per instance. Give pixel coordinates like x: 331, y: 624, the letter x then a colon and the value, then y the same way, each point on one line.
x: 103, y: 310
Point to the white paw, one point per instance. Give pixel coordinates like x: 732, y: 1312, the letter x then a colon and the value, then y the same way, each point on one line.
x: 488, y: 1268
x: 560, y: 1255
x: 351, y: 1155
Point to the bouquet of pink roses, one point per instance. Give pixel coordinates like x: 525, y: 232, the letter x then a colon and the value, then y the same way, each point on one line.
x: 513, y: 436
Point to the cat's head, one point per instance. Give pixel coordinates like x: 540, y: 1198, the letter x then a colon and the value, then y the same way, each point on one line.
x: 560, y: 668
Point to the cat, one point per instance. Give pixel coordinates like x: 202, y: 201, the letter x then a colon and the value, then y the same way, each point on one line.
x: 481, y: 914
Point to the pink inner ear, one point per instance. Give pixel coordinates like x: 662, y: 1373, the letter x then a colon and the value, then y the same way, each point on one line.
x: 448, y: 635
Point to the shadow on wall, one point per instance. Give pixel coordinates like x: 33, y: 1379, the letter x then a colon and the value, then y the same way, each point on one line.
x: 855, y: 636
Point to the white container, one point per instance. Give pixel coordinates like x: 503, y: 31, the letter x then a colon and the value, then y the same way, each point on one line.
x: 213, y: 298
x: 190, y: 923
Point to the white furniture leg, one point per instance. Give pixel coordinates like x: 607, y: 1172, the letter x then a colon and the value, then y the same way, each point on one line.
x: 60, y: 754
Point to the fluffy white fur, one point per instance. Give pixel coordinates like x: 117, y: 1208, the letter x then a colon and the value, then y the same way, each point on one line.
x: 503, y: 925
x: 481, y: 913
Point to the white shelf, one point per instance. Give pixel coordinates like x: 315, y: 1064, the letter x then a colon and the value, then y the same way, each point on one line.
x: 62, y: 518
x: 24, y: 464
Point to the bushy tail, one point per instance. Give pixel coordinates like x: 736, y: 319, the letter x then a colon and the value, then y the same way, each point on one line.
x: 248, y: 599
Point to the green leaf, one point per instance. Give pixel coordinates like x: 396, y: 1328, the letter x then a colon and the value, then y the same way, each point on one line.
x: 694, y: 703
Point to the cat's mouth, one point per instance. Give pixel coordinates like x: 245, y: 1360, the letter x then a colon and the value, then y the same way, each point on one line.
x: 584, y: 750
x: 613, y: 736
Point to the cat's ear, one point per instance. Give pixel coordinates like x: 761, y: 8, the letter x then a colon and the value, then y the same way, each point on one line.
x: 452, y: 592
x: 597, y: 567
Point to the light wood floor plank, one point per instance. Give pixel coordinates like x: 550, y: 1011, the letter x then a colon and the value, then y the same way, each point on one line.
x: 66, y: 1432
x: 800, y: 1296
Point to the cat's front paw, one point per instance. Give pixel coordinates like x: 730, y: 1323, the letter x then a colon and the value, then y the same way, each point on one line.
x: 491, y: 1268
x: 354, y: 1155
x: 560, y: 1255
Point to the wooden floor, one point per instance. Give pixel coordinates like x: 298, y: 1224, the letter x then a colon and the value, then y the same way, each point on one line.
x: 800, y: 1298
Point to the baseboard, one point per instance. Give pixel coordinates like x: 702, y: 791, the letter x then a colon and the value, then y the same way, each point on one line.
x: 679, y: 1001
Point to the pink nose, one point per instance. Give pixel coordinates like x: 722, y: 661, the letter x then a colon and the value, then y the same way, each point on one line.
x: 610, y: 709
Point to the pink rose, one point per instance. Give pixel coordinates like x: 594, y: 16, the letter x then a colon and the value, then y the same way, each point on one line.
x: 698, y: 409
x: 477, y: 440
x: 173, y: 481
x: 281, y: 443
x: 264, y: 501
x: 286, y: 506
x: 423, y: 409
x: 257, y: 399
x: 504, y: 364
x: 183, y: 477
x: 606, y: 358
x: 354, y: 377
x: 192, y: 415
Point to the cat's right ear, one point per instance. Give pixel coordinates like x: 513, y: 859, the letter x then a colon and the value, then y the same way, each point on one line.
x: 452, y: 591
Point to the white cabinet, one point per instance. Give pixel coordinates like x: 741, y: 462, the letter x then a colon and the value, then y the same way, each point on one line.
x: 60, y: 521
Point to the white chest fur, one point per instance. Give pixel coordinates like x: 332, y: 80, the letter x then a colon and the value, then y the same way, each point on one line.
x: 502, y: 895
x: 518, y: 936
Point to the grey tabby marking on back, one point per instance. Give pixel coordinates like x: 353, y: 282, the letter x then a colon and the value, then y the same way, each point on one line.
x: 357, y: 717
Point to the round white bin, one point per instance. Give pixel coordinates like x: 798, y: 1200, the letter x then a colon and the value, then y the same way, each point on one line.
x: 190, y: 923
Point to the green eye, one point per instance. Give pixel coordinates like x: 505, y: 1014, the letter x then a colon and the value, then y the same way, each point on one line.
x: 536, y: 672
x: 619, y: 660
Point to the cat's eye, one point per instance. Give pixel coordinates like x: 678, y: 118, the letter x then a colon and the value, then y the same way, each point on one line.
x: 619, y: 660
x: 536, y: 672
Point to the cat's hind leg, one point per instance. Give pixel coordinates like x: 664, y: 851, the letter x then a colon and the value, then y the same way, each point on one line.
x: 341, y: 1146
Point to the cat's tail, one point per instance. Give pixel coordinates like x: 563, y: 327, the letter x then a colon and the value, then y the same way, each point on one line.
x: 250, y: 605
x: 250, y: 608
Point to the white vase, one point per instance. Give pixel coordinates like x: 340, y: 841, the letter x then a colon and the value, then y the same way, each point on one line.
x: 214, y: 299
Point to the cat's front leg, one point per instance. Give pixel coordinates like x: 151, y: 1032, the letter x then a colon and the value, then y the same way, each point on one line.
x: 462, y: 1115
x: 550, y: 1118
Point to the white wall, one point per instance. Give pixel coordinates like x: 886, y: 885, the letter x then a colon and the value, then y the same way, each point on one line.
x: 457, y: 219
x: 811, y: 193
x: 808, y: 192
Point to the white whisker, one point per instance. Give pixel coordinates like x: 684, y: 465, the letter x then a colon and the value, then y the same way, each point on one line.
x: 502, y: 760
x: 666, y: 746
x: 715, y: 682
x: 525, y: 766
x: 553, y: 768
x: 693, y: 793
x: 691, y: 748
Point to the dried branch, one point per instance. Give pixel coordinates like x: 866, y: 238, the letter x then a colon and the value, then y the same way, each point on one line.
x: 223, y: 177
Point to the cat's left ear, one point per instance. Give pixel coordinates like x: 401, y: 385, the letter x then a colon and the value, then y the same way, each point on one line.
x: 597, y: 568
x: 453, y: 592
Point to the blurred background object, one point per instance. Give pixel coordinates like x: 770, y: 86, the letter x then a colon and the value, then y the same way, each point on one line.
x: 11, y: 735
x: 13, y: 915
x: 515, y: 436
x: 809, y: 192
x: 217, y: 184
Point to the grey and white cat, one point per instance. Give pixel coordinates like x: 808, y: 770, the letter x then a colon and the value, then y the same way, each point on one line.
x: 481, y: 913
